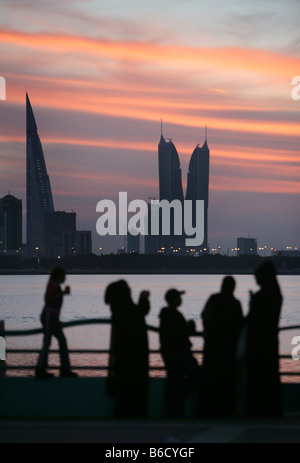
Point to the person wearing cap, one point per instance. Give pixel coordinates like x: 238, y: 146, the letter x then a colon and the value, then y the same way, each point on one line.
x: 182, y: 368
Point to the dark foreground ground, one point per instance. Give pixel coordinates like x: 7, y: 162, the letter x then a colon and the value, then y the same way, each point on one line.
x: 284, y: 430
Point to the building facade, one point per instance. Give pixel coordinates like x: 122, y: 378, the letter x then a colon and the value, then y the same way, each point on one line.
x: 10, y: 223
x: 170, y: 189
x: 246, y: 246
x: 170, y: 176
x: 76, y: 243
x: 50, y: 233
x: 198, y: 186
x: 153, y: 243
x: 56, y: 224
x: 133, y: 242
x: 38, y: 189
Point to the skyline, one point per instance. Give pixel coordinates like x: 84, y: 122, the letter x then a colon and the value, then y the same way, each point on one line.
x: 101, y: 78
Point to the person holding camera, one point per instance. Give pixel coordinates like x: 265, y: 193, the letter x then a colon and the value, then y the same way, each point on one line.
x: 128, y: 371
x: 52, y: 327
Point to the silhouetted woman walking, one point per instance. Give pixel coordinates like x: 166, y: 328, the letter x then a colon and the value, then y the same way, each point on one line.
x: 263, y: 396
x: 52, y: 326
x: 128, y: 363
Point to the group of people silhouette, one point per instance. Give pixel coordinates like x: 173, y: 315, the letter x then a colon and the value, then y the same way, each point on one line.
x: 239, y: 372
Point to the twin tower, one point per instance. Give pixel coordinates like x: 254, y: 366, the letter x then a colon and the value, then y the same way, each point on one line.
x: 170, y: 184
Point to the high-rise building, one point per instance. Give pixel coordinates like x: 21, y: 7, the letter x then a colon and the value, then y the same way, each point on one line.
x: 246, y: 246
x: 170, y: 187
x: 77, y: 243
x: 152, y: 242
x: 198, y: 185
x: 38, y: 189
x: 56, y: 224
x: 170, y: 176
x: 10, y: 223
x: 133, y: 242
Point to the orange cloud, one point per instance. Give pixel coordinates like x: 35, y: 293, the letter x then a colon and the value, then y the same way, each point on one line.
x: 220, y: 156
x: 253, y: 156
x: 230, y: 59
x: 150, y: 108
x: 221, y: 108
x: 254, y: 185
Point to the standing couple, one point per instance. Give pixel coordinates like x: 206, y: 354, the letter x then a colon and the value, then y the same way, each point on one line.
x: 241, y: 363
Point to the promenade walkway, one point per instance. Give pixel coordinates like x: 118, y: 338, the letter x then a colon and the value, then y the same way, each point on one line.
x: 285, y: 430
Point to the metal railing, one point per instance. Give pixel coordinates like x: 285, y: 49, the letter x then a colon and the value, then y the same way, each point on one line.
x: 100, y: 321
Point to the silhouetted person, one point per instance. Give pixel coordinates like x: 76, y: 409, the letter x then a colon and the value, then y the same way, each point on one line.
x: 222, y: 321
x: 52, y: 326
x: 128, y: 364
x: 182, y: 368
x: 263, y: 380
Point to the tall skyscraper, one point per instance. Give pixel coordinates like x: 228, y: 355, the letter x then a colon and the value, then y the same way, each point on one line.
x: 10, y: 223
x: 153, y: 243
x: 76, y: 243
x: 246, y: 246
x: 170, y: 177
x: 133, y: 243
x: 198, y: 184
x: 38, y: 189
x: 56, y: 224
x: 170, y: 187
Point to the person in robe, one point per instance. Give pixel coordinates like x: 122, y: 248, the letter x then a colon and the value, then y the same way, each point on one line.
x: 129, y: 351
x: 264, y: 395
x: 222, y: 322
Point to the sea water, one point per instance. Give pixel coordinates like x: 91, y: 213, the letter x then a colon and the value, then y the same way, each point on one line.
x: 22, y: 299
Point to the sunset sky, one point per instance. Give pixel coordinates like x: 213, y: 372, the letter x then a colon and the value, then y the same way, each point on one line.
x: 100, y: 76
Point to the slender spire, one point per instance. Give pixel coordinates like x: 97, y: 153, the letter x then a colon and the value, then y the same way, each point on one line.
x: 205, y: 145
x: 162, y: 140
x: 30, y: 119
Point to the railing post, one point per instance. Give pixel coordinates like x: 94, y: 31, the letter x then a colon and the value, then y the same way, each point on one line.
x: 2, y: 350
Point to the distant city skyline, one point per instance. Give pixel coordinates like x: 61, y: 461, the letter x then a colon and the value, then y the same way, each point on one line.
x: 49, y: 233
x: 102, y: 75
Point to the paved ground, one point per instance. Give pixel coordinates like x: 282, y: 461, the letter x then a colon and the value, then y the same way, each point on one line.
x: 285, y: 430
